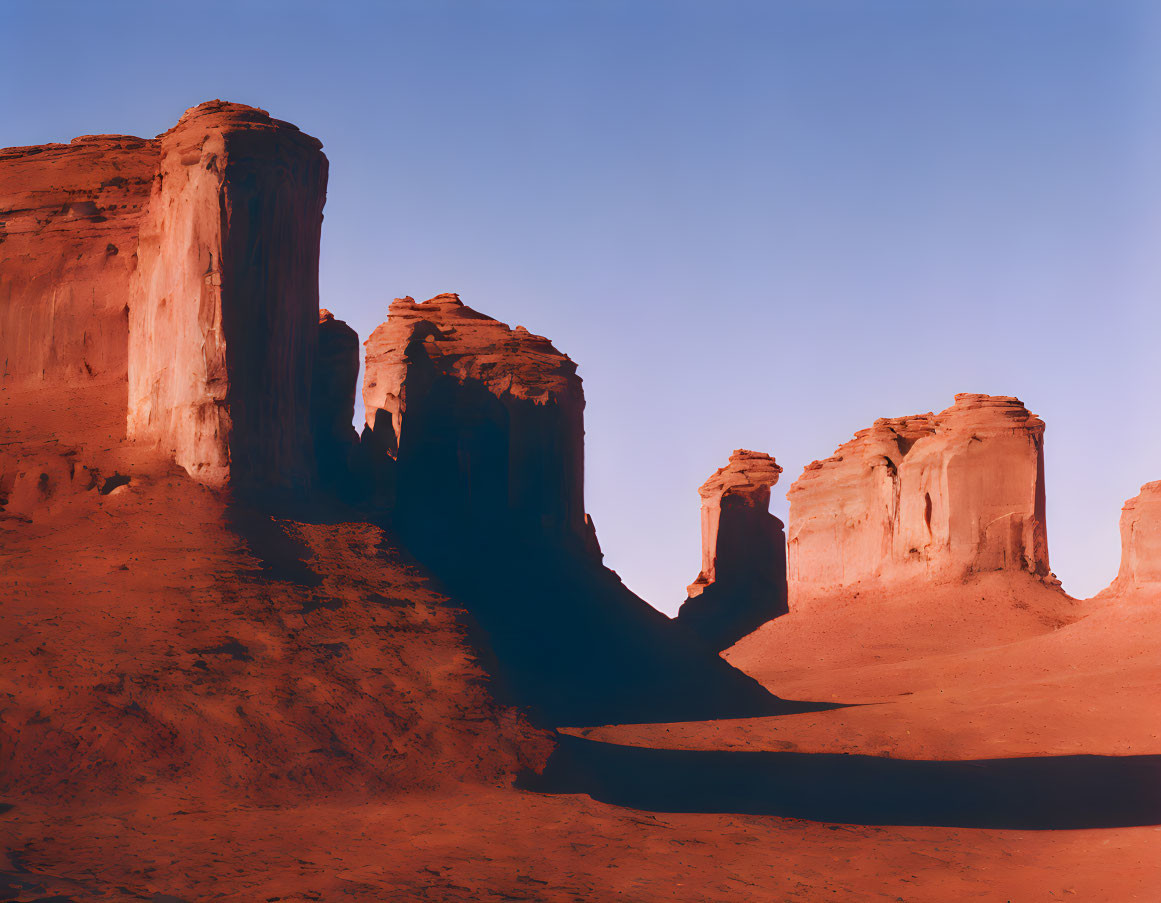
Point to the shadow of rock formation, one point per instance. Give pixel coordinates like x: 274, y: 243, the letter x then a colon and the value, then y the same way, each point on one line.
x: 481, y: 428
x: 1049, y: 793
x: 570, y: 641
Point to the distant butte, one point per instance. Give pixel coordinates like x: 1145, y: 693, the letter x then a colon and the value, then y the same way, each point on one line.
x: 742, y: 582
x: 935, y: 496
x: 1141, y: 542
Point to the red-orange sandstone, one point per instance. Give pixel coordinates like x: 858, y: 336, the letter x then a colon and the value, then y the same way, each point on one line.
x: 742, y: 582
x: 488, y: 420
x: 205, y: 699
x: 934, y: 496
x: 224, y: 304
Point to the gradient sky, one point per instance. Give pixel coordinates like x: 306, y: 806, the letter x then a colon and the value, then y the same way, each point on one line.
x: 752, y: 224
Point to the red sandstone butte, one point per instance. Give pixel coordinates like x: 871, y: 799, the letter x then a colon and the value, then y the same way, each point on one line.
x: 69, y: 216
x: 224, y: 304
x: 488, y: 420
x: 742, y: 583
x: 932, y: 496
x: 1141, y: 542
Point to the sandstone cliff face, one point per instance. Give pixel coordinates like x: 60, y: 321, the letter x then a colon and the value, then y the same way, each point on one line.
x: 224, y: 304
x: 486, y: 422
x: 742, y: 583
x: 69, y: 215
x: 1141, y: 541
x: 936, y: 496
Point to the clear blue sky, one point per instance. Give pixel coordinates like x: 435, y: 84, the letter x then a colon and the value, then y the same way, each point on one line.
x: 758, y: 224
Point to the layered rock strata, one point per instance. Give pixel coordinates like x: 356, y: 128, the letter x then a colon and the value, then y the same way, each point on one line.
x: 742, y: 583
x: 224, y: 304
x: 934, y: 495
x: 1141, y: 541
x: 485, y: 422
x: 69, y: 217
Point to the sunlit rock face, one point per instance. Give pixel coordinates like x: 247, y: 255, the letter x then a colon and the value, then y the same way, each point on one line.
x: 1141, y: 541
x: 69, y: 216
x: 936, y: 495
x: 485, y: 422
x: 742, y: 583
x: 224, y: 304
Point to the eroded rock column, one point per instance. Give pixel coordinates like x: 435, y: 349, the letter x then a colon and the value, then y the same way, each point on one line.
x: 332, y: 399
x: 742, y: 583
x: 224, y: 306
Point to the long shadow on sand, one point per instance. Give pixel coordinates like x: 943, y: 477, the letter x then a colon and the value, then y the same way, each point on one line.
x: 558, y: 634
x: 565, y: 639
x: 1059, y: 792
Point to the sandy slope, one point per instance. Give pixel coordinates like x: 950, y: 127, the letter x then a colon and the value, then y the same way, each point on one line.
x: 495, y: 845
x: 1002, y: 666
x: 200, y: 702
x: 160, y: 633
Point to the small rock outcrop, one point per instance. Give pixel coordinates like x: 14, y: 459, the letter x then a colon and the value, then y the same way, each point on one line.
x: 69, y: 216
x: 935, y: 495
x: 742, y: 583
x: 1141, y: 541
x: 224, y: 303
x: 332, y: 398
x: 485, y: 422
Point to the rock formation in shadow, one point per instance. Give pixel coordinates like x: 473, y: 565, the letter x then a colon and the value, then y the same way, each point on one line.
x: 332, y: 403
x: 742, y: 583
x: 487, y: 422
x: 934, y: 496
x: 481, y: 428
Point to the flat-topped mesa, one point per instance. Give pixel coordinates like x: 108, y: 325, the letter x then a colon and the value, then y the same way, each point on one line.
x: 742, y: 583
x: 69, y: 215
x: 938, y: 496
x: 486, y: 422
x: 224, y: 305
x: 1141, y: 542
